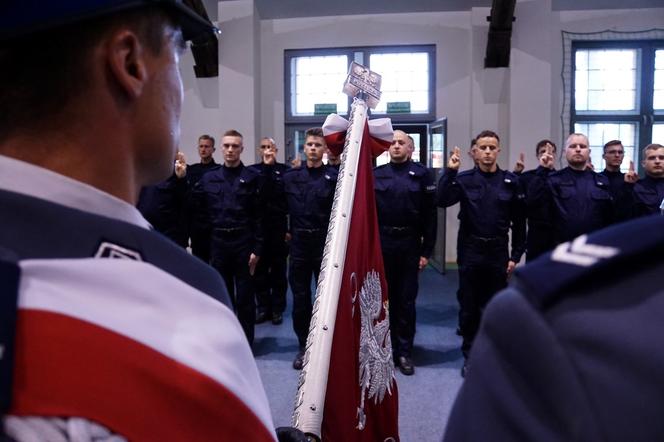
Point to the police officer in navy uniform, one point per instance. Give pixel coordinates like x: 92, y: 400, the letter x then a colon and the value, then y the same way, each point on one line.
x: 646, y: 196
x: 164, y: 204
x: 309, y: 193
x: 539, y: 238
x: 613, y: 155
x: 270, y: 277
x: 405, y: 193
x: 229, y: 197
x: 571, y: 351
x: 491, y: 205
x: 578, y: 198
x: 199, y: 229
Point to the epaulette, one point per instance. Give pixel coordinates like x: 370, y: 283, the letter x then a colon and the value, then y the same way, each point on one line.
x: 381, y: 167
x: 417, y: 165
x: 250, y: 172
x: 281, y: 167
x: 527, y: 173
x: 466, y: 172
x: 258, y: 167
x: 591, y: 257
x: 510, y: 177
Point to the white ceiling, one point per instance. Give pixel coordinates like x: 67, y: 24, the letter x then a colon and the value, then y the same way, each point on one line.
x: 271, y: 9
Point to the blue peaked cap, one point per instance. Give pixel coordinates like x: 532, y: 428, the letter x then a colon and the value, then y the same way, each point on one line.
x: 24, y: 17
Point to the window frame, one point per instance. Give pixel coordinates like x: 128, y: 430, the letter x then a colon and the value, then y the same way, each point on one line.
x: 644, y: 116
x: 361, y: 55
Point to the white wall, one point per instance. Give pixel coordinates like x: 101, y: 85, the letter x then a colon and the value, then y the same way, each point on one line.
x: 522, y: 103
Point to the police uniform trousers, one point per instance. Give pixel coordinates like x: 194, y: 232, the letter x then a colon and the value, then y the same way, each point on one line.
x: 539, y: 240
x: 270, y: 277
x: 482, y: 273
x: 231, y: 249
x: 305, y: 260
x: 200, y: 245
x: 401, y: 257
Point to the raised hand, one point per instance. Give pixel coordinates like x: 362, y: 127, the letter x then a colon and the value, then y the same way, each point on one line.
x: 546, y: 159
x: 455, y: 159
x: 180, y: 165
x: 520, y: 163
x: 631, y: 176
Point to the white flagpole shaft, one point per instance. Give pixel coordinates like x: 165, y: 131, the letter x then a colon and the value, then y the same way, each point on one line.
x: 312, y: 385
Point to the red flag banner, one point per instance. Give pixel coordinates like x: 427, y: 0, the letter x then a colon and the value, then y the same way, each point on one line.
x: 361, y: 403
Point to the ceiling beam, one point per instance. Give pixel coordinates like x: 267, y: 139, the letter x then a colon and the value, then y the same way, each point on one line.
x: 499, y: 45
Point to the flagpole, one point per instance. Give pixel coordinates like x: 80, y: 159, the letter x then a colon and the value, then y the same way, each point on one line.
x: 312, y: 384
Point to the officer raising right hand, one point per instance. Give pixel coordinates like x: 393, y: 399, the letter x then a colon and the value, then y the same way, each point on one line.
x: 547, y: 158
x: 455, y: 159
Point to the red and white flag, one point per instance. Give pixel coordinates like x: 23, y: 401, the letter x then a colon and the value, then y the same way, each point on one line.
x: 98, y: 339
x: 361, y: 403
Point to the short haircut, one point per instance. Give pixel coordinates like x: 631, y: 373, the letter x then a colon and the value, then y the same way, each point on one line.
x: 473, y: 142
x: 653, y: 146
x: 544, y: 143
x: 575, y: 134
x: 412, y: 141
x: 612, y: 143
x: 232, y: 133
x: 487, y: 133
x: 314, y: 132
x: 43, y: 73
x: 206, y: 137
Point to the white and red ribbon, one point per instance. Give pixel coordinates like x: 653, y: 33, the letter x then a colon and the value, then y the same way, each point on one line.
x: 380, y: 131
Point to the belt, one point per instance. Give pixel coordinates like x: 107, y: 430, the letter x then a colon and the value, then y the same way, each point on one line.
x: 397, y: 230
x: 229, y: 230
x: 487, y: 240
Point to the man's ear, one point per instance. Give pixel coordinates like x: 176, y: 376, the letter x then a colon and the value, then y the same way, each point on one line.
x: 126, y: 60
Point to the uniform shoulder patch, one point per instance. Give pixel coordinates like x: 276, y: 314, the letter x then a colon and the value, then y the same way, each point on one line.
x: 583, y: 258
x: 114, y: 251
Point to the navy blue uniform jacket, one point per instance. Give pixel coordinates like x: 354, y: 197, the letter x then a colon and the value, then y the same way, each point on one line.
x: 572, y: 350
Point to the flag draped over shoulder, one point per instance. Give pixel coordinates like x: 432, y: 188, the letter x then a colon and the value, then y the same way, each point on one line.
x: 361, y: 403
